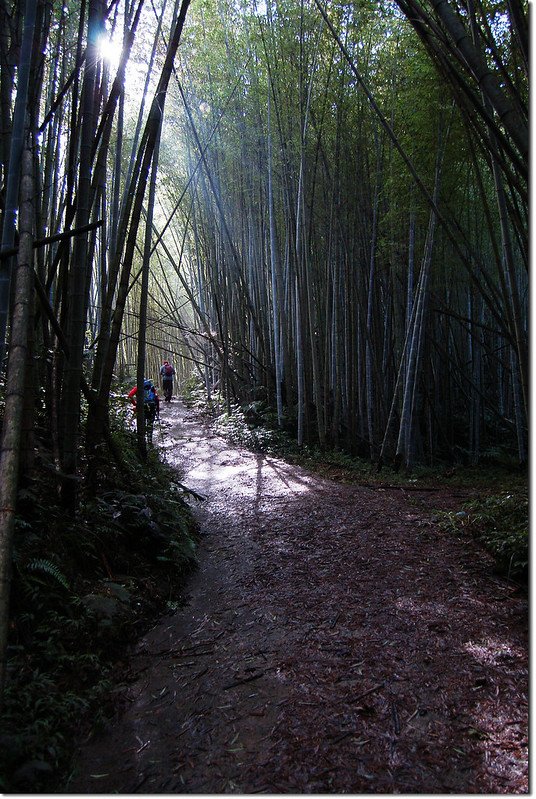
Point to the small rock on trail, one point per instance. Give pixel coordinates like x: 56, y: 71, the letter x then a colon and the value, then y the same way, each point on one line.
x: 335, y: 640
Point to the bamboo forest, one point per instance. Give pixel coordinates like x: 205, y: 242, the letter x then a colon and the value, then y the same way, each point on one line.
x: 299, y: 230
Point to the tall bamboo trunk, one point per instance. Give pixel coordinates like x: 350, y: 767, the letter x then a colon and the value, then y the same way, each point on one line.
x: 274, y: 280
x: 369, y: 355
x: 142, y: 329
x: 406, y: 437
x: 12, y: 179
x: 15, y: 388
x: 80, y: 265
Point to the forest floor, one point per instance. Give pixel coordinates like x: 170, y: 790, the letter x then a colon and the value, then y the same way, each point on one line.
x: 334, y: 639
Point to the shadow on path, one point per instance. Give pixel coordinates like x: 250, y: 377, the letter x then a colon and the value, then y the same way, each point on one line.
x: 335, y: 640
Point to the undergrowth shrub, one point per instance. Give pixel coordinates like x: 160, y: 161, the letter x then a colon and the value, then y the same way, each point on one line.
x: 194, y: 394
x: 250, y: 426
x: 85, y: 586
x: 500, y: 522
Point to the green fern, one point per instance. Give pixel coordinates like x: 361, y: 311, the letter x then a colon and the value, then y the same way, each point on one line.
x: 49, y: 568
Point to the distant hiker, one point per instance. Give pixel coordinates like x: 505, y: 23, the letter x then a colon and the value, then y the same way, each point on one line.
x: 167, y: 372
x: 151, y: 400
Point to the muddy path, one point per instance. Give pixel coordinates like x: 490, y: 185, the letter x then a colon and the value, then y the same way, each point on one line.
x: 334, y: 640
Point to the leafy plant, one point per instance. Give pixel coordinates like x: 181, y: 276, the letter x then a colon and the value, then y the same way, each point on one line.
x: 48, y: 568
x: 71, y: 612
x: 500, y: 523
x: 194, y: 394
x: 57, y: 673
x: 251, y: 426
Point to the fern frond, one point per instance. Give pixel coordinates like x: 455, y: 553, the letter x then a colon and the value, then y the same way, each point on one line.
x: 47, y: 567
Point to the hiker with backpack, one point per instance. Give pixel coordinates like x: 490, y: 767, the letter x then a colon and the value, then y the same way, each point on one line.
x: 151, y: 403
x: 167, y: 372
x: 150, y: 398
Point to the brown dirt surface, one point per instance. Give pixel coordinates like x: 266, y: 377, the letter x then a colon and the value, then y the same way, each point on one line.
x: 334, y: 640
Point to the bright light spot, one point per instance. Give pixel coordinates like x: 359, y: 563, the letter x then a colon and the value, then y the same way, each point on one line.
x: 489, y: 651
x: 109, y: 50
x: 204, y: 108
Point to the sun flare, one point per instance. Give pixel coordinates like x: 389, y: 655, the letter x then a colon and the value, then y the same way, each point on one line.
x: 109, y: 50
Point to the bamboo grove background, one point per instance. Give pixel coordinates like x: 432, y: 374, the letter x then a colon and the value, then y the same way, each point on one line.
x: 320, y: 207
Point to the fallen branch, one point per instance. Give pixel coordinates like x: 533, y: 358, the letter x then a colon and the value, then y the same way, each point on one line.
x: 370, y: 691
x: 396, y: 719
x: 190, y: 491
x: 243, y: 681
x: 347, y: 734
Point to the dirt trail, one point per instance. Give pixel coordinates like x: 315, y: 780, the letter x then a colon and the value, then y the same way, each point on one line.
x: 334, y: 641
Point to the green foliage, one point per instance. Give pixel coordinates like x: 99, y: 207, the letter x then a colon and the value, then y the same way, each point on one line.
x: 162, y: 525
x: 194, y: 394
x: 500, y: 523
x: 84, y: 586
x: 250, y: 426
x: 46, y: 567
x: 57, y: 672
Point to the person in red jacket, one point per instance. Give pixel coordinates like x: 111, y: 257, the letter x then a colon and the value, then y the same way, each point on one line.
x: 151, y: 399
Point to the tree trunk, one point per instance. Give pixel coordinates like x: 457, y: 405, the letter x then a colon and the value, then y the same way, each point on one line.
x: 142, y: 330
x: 13, y: 175
x: 15, y: 387
x: 80, y: 265
x: 274, y: 278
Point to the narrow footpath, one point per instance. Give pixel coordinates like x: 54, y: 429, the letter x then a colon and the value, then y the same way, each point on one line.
x: 334, y: 640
